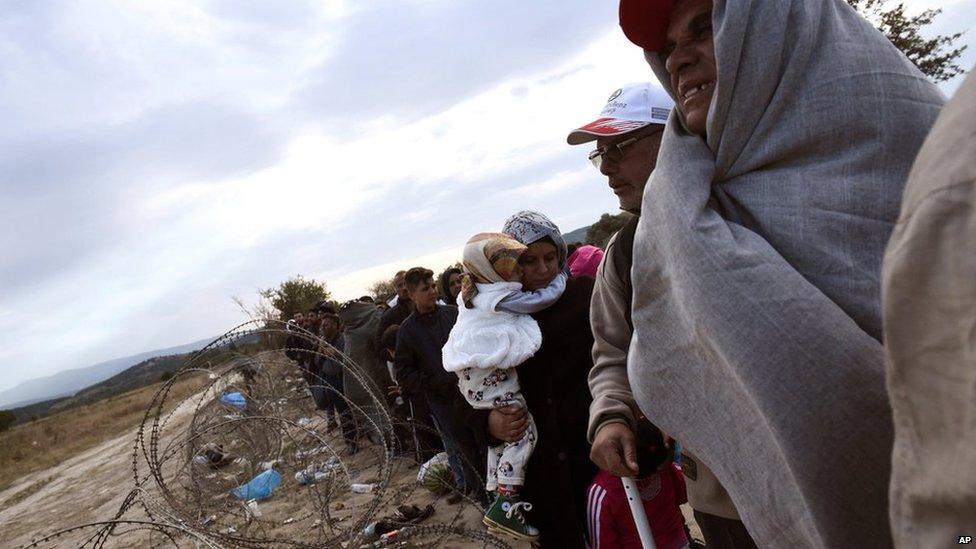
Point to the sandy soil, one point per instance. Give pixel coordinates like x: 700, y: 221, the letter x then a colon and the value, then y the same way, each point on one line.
x: 92, y: 486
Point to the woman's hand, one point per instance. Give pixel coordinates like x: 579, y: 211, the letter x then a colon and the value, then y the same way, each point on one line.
x: 508, y: 423
x: 615, y: 450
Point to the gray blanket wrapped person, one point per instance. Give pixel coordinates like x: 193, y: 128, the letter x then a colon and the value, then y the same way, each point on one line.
x: 757, y: 338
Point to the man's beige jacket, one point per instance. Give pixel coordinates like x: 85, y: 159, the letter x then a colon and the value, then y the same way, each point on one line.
x: 612, y: 398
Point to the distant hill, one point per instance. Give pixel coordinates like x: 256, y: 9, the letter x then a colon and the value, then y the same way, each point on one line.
x: 37, y: 409
x: 579, y: 235
x: 144, y: 373
x: 68, y: 382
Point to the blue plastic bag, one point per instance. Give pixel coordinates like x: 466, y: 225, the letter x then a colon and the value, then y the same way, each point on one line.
x: 236, y: 400
x: 260, y: 487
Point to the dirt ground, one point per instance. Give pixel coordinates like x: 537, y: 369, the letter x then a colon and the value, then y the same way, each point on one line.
x: 92, y: 486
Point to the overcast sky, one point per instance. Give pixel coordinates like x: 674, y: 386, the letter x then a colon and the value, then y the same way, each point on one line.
x: 158, y: 157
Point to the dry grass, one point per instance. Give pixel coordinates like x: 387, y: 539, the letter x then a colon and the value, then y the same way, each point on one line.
x: 48, y: 441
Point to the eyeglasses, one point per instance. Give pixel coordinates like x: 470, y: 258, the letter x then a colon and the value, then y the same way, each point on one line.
x: 615, y: 151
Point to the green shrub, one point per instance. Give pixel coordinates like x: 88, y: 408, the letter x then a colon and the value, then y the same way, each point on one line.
x: 7, y: 419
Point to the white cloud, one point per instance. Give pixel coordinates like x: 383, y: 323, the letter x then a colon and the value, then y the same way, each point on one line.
x: 493, y: 132
x: 338, y: 191
x: 351, y: 285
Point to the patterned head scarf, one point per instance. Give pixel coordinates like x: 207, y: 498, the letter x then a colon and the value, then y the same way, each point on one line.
x: 488, y: 258
x: 529, y: 227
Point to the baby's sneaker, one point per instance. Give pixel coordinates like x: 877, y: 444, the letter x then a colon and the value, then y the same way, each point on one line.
x: 506, y: 516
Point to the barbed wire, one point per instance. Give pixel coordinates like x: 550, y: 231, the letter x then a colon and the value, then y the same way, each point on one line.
x: 200, y: 463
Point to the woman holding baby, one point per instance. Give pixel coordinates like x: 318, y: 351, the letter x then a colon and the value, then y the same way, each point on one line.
x: 552, y: 382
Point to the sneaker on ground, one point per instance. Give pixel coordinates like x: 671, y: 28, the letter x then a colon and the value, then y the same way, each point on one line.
x: 506, y: 516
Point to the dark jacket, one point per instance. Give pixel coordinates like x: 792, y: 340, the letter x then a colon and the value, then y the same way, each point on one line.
x: 298, y: 345
x: 418, y: 366
x: 330, y: 367
x: 554, y: 384
x: 393, y: 315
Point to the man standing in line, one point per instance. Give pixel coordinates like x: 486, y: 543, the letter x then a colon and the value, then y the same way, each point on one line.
x: 365, y: 393
x: 330, y: 377
x: 398, y: 313
x: 420, y: 372
x: 299, y: 343
x: 394, y: 316
x: 628, y: 135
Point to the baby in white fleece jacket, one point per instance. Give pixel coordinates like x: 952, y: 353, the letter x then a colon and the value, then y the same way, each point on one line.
x: 493, y: 334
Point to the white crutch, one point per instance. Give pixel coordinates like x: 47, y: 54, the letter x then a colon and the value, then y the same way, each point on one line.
x: 637, y: 511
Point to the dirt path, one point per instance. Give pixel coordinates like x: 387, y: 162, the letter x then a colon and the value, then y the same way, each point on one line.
x: 91, y: 487
x: 86, y: 488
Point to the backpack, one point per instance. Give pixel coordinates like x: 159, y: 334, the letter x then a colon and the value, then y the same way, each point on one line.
x: 621, y: 252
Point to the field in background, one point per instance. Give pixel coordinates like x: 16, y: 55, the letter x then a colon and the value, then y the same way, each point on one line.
x: 51, y: 440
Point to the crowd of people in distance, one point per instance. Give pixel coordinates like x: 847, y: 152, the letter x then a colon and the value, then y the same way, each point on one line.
x: 781, y: 336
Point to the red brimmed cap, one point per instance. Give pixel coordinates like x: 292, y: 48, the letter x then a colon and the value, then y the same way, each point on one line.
x: 645, y: 22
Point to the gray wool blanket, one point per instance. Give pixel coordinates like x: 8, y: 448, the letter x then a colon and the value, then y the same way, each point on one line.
x: 366, y: 387
x: 757, y: 268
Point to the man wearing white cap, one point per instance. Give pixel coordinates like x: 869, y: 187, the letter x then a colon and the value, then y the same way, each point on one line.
x: 628, y: 135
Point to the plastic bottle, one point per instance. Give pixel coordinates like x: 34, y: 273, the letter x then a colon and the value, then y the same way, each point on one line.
x: 362, y: 488
x: 311, y: 476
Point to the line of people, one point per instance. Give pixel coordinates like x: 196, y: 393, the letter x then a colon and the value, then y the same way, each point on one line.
x: 744, y: 343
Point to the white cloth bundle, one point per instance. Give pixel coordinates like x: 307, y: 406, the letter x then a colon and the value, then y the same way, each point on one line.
x: 484, y: 338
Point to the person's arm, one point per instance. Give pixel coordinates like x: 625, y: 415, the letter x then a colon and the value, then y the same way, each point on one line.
x: 537, y: 300
x: 612, y: 420
x: 613, y: 400
x: 333, y: 352
x: 405, y: 366
x: 381, y: 326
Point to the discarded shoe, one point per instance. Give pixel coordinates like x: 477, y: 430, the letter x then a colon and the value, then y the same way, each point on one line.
x: 217, y: 457
x: 412, y: 514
